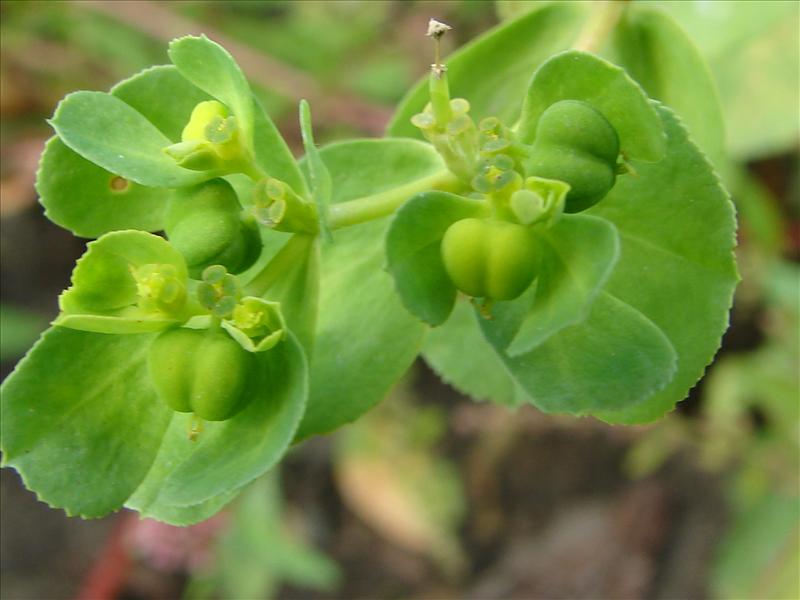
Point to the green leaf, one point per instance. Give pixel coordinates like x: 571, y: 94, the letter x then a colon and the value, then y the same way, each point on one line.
x: 90, y: 201
x: 297, y: 287
x: 180, y: 516
x: 579, y: 254
x: 229, y: 454
x: 145, y: 91
x: 110, y: 133
x: 759, y: 555
x: 82, y: 424
x: 496, y: 68
x: 745, y: 44
x: 211, y: 68
x: 659, y: 55
x: 365, y: 338
x: 104, y: 293
x: 677, y: 267
x: 272, y: 153
x: 414, y: 256
x: 257, y: 552
x: 575, y: 75
x: 478, y: 373
x: 319, y: 176
x: 19, y: 329
x: 612, y: 360
x: 80, y: 421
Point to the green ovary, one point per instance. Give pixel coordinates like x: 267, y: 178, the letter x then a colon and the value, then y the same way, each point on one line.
x: 487, y: 258
x: 576, y: 144
x: 199, y: 371
x: 207, y: 226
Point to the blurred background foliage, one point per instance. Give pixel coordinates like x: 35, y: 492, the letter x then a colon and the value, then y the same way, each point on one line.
x: 432, y: 495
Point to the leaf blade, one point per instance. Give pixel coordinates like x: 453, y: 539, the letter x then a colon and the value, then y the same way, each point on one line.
x: 80, y: 421
x: 212, y: 69
x: 579, y: 254
x: 577, y: 75
x: 370, y: 326
x: 613, y: 360
x: 110, y: 133
x: 675, y: 219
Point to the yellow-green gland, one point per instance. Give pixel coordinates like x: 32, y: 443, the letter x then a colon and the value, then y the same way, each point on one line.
x: 489, y: 258
x: 201, y: 371
x: 576, y: 144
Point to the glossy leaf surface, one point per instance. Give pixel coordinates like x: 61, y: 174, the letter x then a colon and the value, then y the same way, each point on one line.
x: 670, y: 292
x: 147, y: 90
x: 613, y: 359
x: 89, y: 200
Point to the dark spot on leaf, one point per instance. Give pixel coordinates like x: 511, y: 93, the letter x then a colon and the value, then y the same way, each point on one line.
x: 118, y: 184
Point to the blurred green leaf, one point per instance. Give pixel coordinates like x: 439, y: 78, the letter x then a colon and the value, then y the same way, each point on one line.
x: 760, y: 555
x: 664, y: 61
x: 752, y: 50
x: 258, y: 553
x: 19, y: 329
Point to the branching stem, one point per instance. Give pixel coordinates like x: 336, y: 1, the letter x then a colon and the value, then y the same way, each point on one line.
x: 376, y: 206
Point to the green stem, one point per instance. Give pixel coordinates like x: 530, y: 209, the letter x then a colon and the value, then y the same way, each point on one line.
x: 287, y: 257
x: 600, y: 25
x: 385, y: 203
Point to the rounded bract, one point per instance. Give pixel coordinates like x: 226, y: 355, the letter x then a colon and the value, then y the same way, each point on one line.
x: 208, y: 227
x: 201, y: 371
x: 576, y: 144
x: 488, y: 258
